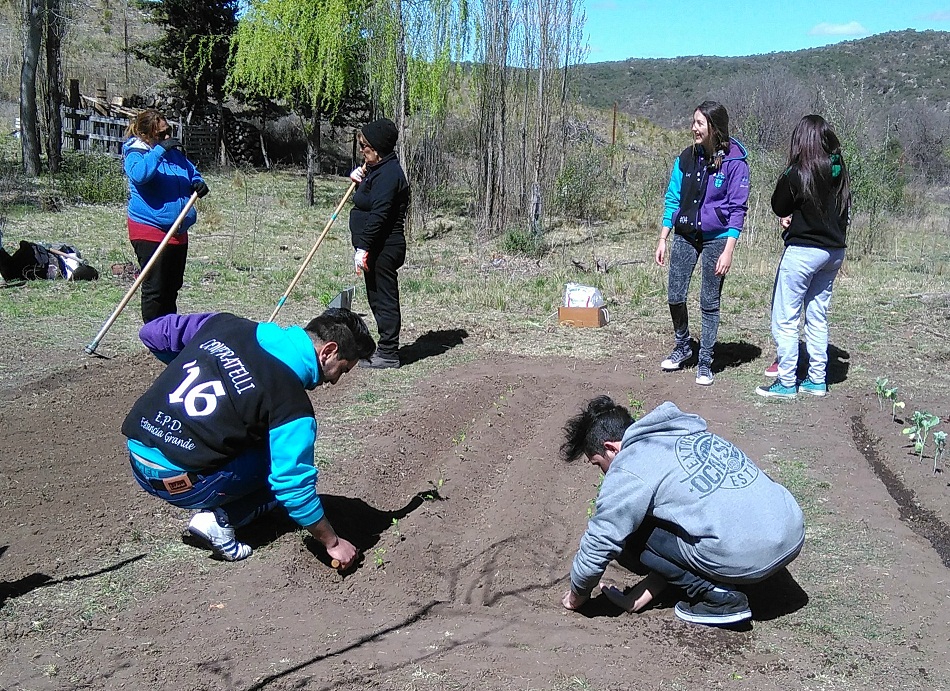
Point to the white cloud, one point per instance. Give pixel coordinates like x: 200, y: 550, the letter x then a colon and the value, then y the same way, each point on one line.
x: 849, y: 29
x: 938, y: 16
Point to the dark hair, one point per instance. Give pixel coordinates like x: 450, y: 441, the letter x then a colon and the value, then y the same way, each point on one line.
x: 814, y: 146
x: 602, y: 421
x: 345, y: 328
x: 718, y: 121
x: 145, y: 125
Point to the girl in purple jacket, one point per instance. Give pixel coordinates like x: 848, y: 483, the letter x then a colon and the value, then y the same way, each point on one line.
x: 706, y: 203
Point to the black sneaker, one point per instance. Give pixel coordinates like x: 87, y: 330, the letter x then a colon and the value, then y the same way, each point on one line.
x: 680, y: 354
x: 718, y: 607
x: 380, y: 361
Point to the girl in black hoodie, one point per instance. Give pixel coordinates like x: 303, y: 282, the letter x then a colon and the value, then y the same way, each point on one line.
x: 813, y: 199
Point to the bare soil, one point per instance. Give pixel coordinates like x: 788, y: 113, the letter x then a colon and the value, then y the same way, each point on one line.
x: 462, y: 590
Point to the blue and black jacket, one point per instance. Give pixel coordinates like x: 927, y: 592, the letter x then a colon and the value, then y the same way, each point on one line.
x: 234, y: 385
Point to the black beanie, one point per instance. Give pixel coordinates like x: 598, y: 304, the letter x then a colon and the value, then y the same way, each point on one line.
x: 381, y: 135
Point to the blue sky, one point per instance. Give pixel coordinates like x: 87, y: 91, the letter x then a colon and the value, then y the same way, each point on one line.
x: 621, y: 29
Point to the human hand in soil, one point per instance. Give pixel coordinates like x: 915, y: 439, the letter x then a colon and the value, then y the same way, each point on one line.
x: 572, y: 600
x: 636, y: 598
x: 344, y: 552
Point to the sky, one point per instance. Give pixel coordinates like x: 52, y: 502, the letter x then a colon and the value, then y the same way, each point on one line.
x: 621, y: 29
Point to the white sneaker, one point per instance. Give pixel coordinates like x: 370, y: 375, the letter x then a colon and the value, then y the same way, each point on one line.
x: 205, y: 527
x: 704, y: 375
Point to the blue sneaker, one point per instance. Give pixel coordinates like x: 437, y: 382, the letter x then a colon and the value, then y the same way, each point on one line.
x: 777, y: 390
x: 814, y: 388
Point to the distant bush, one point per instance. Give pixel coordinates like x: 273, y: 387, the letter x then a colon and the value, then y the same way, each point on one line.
x: 524, y: 242
x: 89, y: 178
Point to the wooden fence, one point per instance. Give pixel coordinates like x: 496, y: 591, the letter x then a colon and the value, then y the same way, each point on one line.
x: 86, y: 130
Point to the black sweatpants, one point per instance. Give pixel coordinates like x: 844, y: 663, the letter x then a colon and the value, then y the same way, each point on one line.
x: 382, y: 292
x: 164, y: 280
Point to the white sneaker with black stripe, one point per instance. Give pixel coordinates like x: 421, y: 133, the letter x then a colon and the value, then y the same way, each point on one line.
x: 704, y: 375
x: 205, y: 532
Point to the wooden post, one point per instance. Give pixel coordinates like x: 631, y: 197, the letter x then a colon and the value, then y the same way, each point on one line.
x: 102, y: 106
x: 74, y: 120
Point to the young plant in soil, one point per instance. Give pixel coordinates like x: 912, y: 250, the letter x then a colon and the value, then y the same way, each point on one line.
x: 890, y: 394
x: 880, y: 386
x: 922, y: 422
x: 940, y: 445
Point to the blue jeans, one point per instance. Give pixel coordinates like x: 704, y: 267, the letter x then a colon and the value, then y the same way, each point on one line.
x: 684, y: 255
x: 804, y: 281
x: 239, y: 491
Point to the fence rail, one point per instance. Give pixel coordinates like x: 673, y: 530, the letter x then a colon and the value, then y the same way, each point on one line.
x: 85, y: 130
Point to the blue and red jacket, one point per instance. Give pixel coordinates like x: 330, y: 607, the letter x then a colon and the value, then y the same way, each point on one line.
x: 711, y: 202
x: 159, y: 188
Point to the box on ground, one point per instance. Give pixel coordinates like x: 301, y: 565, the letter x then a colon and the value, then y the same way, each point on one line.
x: 582, y: 316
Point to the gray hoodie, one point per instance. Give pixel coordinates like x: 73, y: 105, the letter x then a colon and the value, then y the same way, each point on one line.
x: 737, y: 522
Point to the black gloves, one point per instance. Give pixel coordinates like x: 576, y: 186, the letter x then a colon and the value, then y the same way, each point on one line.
x: 200, y: 187
x: 170, y: 143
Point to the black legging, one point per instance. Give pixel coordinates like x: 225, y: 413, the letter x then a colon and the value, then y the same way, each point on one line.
x: 164, y: 280
x: 382, y: 292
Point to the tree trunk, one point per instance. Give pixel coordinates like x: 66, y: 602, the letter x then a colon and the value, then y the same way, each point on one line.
x: 54, y: 117
x: 311, y: 128
x: 29, y: 127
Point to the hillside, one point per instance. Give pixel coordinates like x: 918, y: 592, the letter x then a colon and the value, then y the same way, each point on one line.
x: 894, y: 67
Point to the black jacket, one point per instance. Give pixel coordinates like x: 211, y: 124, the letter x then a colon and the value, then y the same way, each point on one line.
x: 378, y: 216
x: 812, y: 226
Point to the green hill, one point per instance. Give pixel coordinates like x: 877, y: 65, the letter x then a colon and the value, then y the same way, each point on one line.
x: 895, y: 67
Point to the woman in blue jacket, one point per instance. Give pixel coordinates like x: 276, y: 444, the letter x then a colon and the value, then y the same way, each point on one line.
x: 161, y: 180
x: 706, y: 203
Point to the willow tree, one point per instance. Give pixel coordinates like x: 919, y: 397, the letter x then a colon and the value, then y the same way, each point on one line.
x: 412, y: 50
x: 302, y: 52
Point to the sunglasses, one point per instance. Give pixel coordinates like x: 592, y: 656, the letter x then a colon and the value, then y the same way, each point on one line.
x: 161, y: 134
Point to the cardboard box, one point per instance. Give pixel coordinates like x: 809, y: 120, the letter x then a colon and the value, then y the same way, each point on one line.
x: 582, y: 316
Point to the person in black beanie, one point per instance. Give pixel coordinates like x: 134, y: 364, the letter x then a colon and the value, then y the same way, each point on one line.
x: 377, y: 227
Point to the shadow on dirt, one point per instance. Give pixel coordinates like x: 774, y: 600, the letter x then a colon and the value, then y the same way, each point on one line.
x: 22, y: 586
x: 729, y: 354
x: 432, y: 344
x: 352, y: 519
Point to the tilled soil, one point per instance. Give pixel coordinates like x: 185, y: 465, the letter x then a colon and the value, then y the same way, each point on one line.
x: 467, y: 523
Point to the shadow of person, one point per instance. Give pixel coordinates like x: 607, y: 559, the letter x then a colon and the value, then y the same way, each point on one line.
x: 352, y: 519
x: 774, y: 597
x: 734, y: 354
x: 839, y: 361
x: 431, y: 344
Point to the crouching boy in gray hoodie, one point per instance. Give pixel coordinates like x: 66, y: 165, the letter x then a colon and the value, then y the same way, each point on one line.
x: 691, y: 507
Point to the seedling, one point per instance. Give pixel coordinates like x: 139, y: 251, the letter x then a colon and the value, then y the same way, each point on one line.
x: 378, y: 557
x: 940, y: 444
x: 592, y: 504
x: 395, y: 528
x: 434, y: 494
x: 880, y: 386
x: 894, y: 406
x: 635, y: 405
x: 922, y: 423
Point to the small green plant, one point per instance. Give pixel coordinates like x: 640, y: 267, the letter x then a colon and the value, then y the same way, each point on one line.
x: 894, y: 406
x: 635, y: 405
x: 880, y: 386
x: 940, y: 445
x: 523, y: 242
x: 395, y: 528
x: 922, y: 422
x: 592, y: 504
x: 434, y: 493
x: 378, y: 557
x: 459, y: 438
x: 890, y: 394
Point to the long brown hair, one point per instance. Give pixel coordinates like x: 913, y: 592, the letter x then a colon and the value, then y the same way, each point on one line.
x: 815, y: 150
x: 717, y: 120
x: 145, y: 125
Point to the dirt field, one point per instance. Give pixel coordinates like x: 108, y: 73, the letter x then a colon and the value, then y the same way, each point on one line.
x: 462, y: 590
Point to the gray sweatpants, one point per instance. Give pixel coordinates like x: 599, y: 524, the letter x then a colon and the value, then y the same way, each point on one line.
x: 804, y: 281
x: 683, y: 258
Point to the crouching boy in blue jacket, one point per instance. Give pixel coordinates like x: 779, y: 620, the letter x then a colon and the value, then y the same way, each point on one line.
x: 228, y: 429
x: 692, y: 507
